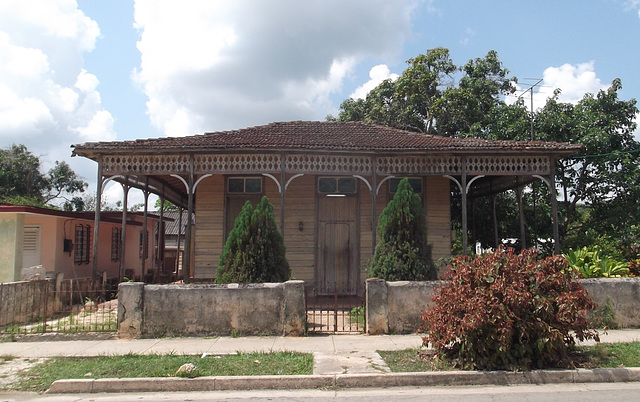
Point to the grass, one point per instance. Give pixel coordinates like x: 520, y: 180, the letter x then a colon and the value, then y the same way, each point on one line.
x: 40, y: 377
x: 599, y: 356
x: 6, y: 358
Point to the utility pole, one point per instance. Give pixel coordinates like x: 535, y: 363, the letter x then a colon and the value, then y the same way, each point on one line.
x: 533, y: 185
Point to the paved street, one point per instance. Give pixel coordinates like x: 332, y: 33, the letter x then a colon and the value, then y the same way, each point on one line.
x: 530, y: 393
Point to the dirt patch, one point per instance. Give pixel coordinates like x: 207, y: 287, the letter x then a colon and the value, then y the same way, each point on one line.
x: 10, y: 370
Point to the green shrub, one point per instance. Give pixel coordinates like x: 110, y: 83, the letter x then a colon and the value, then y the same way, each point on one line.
x: 254, y: 251
x: 508, y: 311
x: 402, y: 252
x: 590, y: 263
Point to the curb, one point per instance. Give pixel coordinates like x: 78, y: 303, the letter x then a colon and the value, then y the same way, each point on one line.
x: 440, y: 378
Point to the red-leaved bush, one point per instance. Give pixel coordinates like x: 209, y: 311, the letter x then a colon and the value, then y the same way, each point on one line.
x: 508, y: 311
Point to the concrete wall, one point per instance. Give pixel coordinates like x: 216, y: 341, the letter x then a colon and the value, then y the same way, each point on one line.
x: 621, y: 296
x: 208, y: 309
x: 394, y: 307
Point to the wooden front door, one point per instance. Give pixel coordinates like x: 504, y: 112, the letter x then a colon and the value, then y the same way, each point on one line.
x: 338, y: 251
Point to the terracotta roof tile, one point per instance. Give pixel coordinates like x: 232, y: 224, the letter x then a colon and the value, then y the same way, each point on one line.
x: 318, y: 135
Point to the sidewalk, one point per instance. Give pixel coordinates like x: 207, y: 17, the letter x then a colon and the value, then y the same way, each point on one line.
x: 334, y: 355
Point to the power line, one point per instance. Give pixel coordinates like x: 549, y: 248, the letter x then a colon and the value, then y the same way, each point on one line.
x: 607, y: 154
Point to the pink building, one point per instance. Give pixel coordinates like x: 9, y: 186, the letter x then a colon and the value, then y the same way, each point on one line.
x: 63, y: 242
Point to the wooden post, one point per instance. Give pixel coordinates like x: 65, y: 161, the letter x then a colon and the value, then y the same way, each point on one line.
x: 123, y: 233
x: 96, y: 225
x: 187, y: 247
x: 465, y: 241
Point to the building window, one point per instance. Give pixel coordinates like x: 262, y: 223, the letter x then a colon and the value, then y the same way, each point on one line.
x: 415, y: 182
x: 244, y: 185
x: 144, y: 244
x: 116, y: 237
x: 82, y: 248
x: 337, y: 185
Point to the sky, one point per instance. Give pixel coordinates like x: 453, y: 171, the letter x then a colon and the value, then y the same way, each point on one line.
x: 103, y: 70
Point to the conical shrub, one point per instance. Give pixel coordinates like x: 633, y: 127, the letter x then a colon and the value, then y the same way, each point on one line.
x: 254, y: 251
x: 402, y: 252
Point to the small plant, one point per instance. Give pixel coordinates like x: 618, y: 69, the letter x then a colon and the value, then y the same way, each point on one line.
x: 590, y: 263
x: 356, y: 315
x: 508, y: 311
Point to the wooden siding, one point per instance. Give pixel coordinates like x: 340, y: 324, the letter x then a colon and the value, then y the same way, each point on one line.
x: 209, y: 226
x: 300, y: 206
x: 438, y: 202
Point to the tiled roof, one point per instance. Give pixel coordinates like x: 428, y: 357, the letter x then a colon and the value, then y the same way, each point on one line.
x: 171, y: 226
x: 318, y: 136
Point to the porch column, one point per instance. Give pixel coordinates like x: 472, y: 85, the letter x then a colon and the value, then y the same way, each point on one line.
x: 96, y: 224
x: 178, y: 259
x: 187, y: 247
x: 465, y: 241
x: 554, y: 207
x: 496, y: 236
x: 521, y: 216
x: 282, y: 191
x: 145, y: 232
x: 123, y: 234
x: 374, y: 207
x: 159, y: 238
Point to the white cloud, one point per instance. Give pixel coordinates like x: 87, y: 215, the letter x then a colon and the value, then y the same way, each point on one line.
x: 209, y: 66
x: 377, y: 74
x: 47, y: 99
x: 574, y: 81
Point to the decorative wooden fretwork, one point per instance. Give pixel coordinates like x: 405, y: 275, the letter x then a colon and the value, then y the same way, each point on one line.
x: 238, y: 163
x: 419, y: 165
x: 142, y: 164
x: 328, y: 164
x: 508, y: 165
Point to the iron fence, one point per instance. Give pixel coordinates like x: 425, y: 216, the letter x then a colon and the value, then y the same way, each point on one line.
x: 335, y: 309
x: 49, y: 306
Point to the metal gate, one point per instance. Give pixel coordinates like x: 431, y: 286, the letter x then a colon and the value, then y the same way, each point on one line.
x: 336, y: 310
x: 32, y: 307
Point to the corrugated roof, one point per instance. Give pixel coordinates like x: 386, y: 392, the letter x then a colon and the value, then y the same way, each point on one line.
x: 318, y: 136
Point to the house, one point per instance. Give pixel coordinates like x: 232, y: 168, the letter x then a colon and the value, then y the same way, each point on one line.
x: 63, y: 242
x: 328, y: 182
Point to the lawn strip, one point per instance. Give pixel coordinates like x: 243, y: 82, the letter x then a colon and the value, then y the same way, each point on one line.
x: 601, y: 355
x: 40, y: 377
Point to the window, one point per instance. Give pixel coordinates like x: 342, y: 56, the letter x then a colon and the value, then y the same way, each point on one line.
x: 116, y: 237
x: 82, y: 249
x: 244, y: 185
x: 416, y: 184
x: 337, y: 185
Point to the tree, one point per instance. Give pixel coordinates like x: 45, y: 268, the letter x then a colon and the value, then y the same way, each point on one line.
x: 424, y: 97
x: 605, y: 175
x: 254, y: 251
x: 407, y: 102
x: 468, y: 109
x: 168, y: 205
x: 22, y: 182
x: 63, y: 181
x: 20, y: 175
x: 402, y: 252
